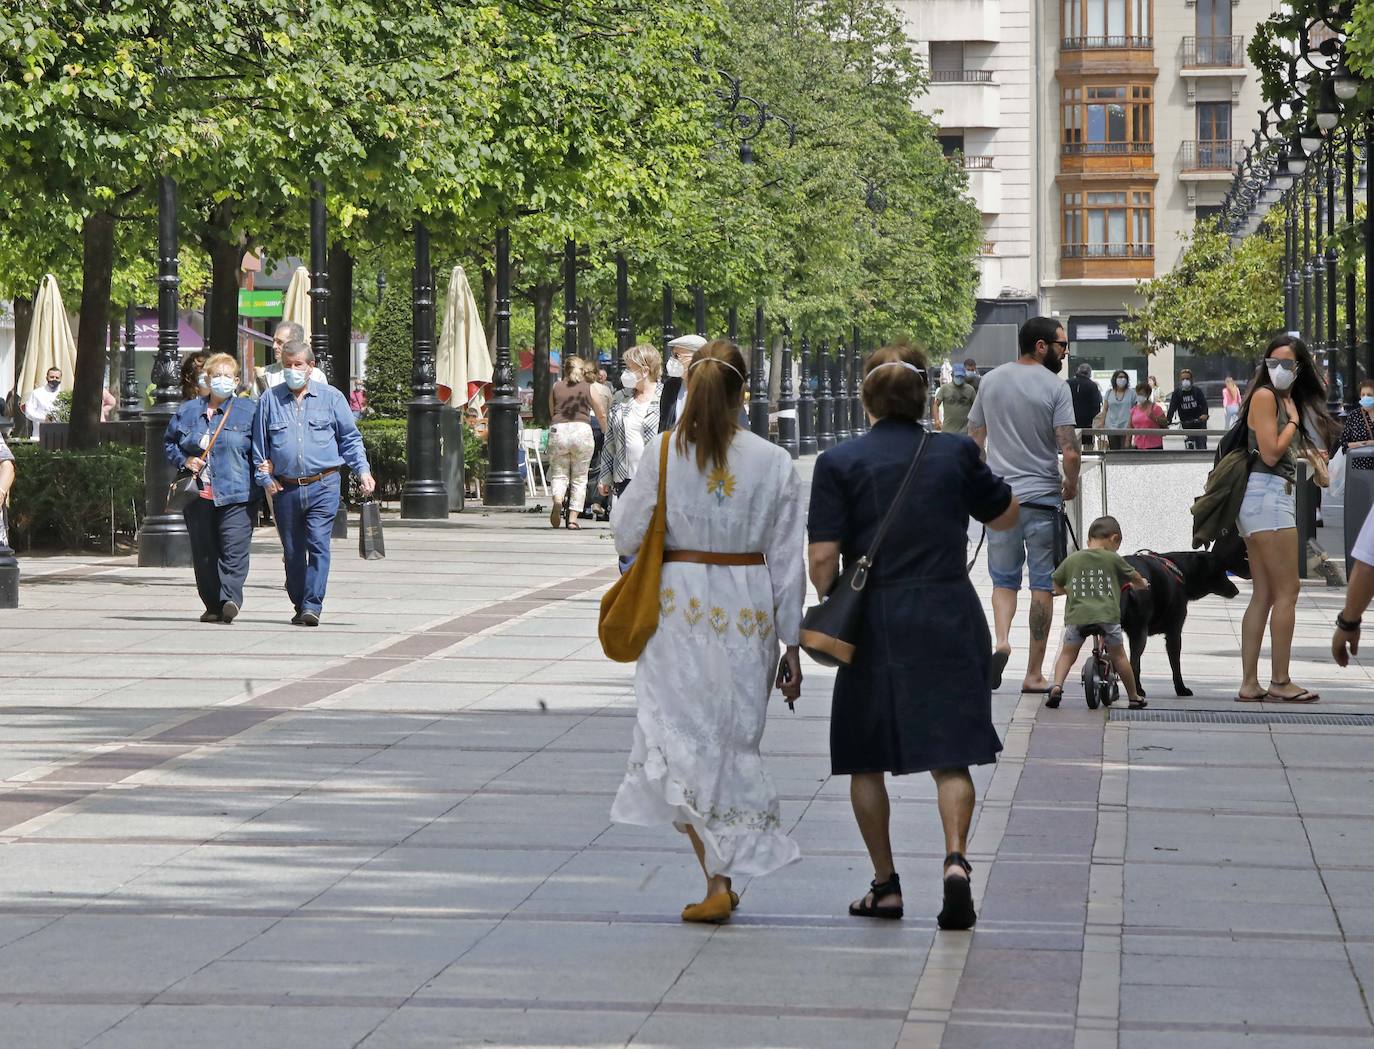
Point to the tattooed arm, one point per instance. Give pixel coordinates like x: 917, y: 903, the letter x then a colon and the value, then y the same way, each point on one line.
x: 1073, y: 459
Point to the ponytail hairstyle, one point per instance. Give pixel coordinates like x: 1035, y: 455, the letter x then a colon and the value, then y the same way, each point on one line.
x: 577, y: 371
x: 715, y: 392
x: 895, y: 385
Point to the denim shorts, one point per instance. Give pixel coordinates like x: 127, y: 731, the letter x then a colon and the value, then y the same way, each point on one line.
x: 1268, y: 506
x: 1111, y: 633
x: 1028, y: 543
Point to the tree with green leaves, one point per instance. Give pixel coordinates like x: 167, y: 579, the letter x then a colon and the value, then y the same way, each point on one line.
x: 388, y: 380
x: 1218, y: 298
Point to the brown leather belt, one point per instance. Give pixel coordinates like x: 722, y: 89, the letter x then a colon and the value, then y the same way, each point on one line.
x: 708, y: 557
x: 301, y: 482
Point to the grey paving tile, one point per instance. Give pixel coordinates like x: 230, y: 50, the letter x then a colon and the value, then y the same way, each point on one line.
x: 707, y: 1031
x: 1260, y: 790
x: 108, y: 954
x: 554, y: 963
x: 1216, y: 838
x: 240, y: 1027
x: 67, y: 1026
x: 877, y: 966
x: 420, y: 1026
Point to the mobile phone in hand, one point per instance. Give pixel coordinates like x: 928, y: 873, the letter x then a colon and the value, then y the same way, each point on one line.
x: 785, y: 678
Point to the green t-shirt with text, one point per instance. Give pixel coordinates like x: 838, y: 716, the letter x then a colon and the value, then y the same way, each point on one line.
x: 955, y: 403
x: 1093, y: 579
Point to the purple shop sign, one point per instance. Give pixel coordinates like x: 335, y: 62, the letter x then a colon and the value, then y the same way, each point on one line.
x: 145, y: 333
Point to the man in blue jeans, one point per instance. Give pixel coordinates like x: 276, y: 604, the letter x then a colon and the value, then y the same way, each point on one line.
x: 303, y: 434
x: 1023, y: 419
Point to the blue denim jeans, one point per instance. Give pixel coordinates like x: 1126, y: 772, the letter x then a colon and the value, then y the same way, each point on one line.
x: 305, y: 522
x: 220, y: 540
x: 1028, y: 543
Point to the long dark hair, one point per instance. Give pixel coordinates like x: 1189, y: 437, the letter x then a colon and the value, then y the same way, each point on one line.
x: 715, y: 390
x: 1308, y: 391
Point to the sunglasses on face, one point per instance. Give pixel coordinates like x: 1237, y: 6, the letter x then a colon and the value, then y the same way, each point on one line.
x: 1274, y: 363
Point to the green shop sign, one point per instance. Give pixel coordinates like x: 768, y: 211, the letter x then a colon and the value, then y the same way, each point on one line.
x: 261, y: 303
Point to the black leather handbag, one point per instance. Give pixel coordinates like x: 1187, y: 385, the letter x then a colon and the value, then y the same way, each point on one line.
x: 830, y: 630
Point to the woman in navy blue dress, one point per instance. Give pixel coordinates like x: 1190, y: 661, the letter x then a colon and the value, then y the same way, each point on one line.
x: 916, y: 696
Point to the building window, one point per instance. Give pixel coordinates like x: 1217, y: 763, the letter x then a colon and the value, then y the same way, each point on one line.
x: 1214, y: 122
x: 951, y: 144
x: 1108, y: 120
x: 1107, y: 23
x: 1112, y: 224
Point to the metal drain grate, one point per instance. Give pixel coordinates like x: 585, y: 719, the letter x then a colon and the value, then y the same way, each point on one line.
x: 1236, y: 717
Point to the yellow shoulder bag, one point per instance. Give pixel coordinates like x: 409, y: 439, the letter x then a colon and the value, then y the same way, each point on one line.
x: 629, y: 609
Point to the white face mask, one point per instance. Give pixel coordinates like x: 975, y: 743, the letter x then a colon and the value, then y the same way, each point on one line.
x: 1185, y: 384
x: 676, y: 370
x: 629, y: 380
x: 1121, y: 383
x: 1282, y: 378
x: 1142, y: 399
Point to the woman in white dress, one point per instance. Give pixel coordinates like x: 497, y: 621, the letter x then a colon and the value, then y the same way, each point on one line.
x: 731, y: 594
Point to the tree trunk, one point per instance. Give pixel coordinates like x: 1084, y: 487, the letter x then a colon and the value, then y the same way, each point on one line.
x: 23, y: 321
x: 226, y: 259
x: 97, y: 267
x: 341, y: 316
x: 543, y: 323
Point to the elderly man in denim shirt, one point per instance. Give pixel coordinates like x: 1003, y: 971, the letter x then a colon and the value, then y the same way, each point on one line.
x: 302, y: 435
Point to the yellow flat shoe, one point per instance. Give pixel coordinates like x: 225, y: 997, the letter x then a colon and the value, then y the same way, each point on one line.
x: 712, y: 909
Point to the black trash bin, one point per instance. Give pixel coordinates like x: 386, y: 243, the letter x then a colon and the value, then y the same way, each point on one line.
x: 451, y: 454
x: 1359, y: 497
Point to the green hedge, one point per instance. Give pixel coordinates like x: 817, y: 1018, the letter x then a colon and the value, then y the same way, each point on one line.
x: 385, y: 442
x: 75, y: 499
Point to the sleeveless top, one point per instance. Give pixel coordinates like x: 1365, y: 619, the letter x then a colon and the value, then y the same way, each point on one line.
x: 1287, y: 466
x: 572, y: 404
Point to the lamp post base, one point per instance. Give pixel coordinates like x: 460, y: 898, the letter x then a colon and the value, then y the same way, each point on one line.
x: 503, y: 490
x: 424, y: 501
x: 163, y: 542
x: 9, y: 578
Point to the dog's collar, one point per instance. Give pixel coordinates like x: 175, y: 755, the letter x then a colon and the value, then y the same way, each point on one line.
x: 1174, y: 570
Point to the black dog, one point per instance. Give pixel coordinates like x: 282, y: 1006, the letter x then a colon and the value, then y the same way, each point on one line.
x: 1175, y: 579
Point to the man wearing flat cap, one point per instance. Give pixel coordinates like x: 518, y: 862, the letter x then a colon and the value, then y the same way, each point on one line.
x: 683, y: 349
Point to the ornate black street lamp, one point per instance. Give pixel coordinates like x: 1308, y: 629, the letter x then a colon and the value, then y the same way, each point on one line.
x: 504, y: 485
x: 825, y: 403
x: 787, y: 402
x: 806, y: 403
x: 424, y: 497
x: 319, y: 281
x: 1351, y: 350
x: 130, y: 403
x: 758, y: 379
x: 569, y: 303
x: 624, y: 330
x: 669, y: 331
x: 858, y: 420
x: 844, y: 429
x: 163, y: 541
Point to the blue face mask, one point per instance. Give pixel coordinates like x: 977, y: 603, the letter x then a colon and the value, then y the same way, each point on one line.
x: 223, y: 386
x: 958, y: 380
x: 295, y: 378
x: 1367, y: 402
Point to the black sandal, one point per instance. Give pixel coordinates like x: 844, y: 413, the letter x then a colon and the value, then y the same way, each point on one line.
x: 1052, y: 701
x: 891, y: 887
x: 958, y: 912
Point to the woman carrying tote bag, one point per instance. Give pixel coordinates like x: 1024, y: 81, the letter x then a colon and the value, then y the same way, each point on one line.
x: 915, y: 696
x: 730, y: 594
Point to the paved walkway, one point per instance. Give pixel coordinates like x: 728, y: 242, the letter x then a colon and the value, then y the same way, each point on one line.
x: 391, y: 833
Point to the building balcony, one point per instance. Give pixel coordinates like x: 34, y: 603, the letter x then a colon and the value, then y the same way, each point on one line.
x: 1213, y: 58
x: 1225, y: 53
x: 962, y: 98
x: 1095, y: 43
x: 1106, y: 158
x: 985, y: 187
x: 975, y: 21
x: 977, y: 163
x: 1107, y: 54
x: 1206, y: 161
x: 1107, y: 261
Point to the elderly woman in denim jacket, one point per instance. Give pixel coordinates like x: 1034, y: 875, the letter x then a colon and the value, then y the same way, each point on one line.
x: 220, y: 521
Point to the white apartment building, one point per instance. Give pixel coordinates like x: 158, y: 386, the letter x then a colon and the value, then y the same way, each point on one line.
x: 1096, y: 133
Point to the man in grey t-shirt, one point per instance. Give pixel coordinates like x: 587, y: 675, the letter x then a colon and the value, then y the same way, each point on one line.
x: 1023, y: 419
